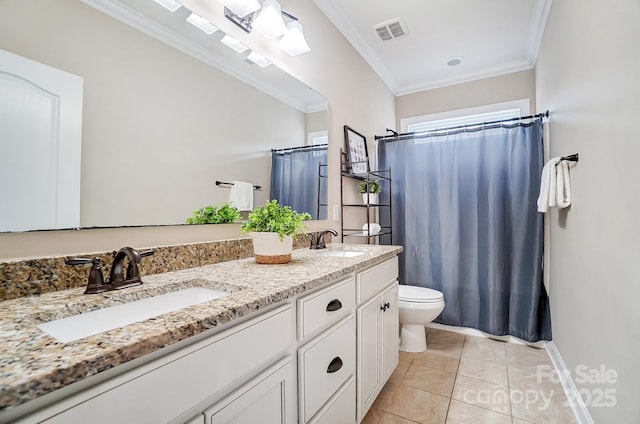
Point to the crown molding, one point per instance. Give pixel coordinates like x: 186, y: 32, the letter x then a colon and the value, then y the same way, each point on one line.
x: 507, y: 68
x: 340, y: 21
x: 169, y: 37
x: 539, y: 17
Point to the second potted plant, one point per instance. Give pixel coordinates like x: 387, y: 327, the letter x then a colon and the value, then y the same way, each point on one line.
x: 271, y: 228
x: 370, y: 190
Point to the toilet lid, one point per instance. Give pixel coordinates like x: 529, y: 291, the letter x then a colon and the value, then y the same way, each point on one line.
x: 418, y: 294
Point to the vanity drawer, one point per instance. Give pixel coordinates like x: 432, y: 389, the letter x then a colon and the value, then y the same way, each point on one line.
x: 325, y: 307
x: 324, y: 365
x: 374, y: 279
x: 341, y: 408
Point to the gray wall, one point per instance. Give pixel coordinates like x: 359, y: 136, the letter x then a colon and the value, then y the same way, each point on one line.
x: 503, y: 88
x: 587, y: 76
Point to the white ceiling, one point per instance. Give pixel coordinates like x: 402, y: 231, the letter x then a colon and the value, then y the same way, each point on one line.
x: 492, y: 36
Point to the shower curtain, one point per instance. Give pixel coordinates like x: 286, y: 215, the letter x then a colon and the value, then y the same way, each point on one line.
x: 465, y: 212
x: 295, y: 180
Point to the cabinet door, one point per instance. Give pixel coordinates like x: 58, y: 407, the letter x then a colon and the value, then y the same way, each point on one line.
x: 369, y: 354
x: 390, y: 332
x: 268, y: 399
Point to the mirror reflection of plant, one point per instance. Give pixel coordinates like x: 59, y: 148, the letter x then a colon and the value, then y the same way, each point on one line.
x: 369, y: 187
x: 275, y: 218
x: 226, y: 214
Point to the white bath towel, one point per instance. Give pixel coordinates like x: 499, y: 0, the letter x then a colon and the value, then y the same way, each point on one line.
x: 547, y: 197
x: 241, y: 196
x: 563, y: 185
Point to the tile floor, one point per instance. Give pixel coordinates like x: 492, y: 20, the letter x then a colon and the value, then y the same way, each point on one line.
x: 471, y: 380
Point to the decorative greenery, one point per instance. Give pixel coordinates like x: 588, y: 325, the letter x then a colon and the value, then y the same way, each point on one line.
x: 369, y: 187
x: 276, y: 218
x: 226, y: 214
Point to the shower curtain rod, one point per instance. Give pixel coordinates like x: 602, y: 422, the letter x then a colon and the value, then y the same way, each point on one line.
x: 458, y: 128
x: 293, y: 149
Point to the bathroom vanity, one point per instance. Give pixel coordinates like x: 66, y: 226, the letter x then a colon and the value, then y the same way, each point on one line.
x: 312, y: 341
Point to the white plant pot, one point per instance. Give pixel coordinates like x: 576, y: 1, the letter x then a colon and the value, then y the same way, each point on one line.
x: 371, y: 198
x: 269, y: 249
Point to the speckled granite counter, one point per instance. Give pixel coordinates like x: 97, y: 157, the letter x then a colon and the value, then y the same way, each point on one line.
x: 33, y: 364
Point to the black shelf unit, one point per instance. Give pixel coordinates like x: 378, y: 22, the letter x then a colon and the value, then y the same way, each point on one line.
x: 384, y: 177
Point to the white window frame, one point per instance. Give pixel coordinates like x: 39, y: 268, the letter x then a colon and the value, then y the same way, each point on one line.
x: 466, y: 116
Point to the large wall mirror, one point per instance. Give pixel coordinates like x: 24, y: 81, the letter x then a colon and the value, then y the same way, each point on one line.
x: 162, y: 121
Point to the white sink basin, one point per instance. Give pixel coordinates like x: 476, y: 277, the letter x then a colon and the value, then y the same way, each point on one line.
x: 88, y: 324
x: 342, y: 253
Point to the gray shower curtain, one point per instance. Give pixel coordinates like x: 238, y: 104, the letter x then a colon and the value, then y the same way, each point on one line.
x: 295, y: 181
x: 465, y: 212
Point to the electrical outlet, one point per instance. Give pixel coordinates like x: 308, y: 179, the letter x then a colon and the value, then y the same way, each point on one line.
x: 336, y: 212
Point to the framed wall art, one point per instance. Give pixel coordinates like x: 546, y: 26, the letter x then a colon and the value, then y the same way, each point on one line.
x: 356, y: 151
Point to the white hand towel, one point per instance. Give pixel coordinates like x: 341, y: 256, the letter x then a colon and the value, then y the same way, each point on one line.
x: 547, y: 196
x: 241, y: 196
x: 563, y: 185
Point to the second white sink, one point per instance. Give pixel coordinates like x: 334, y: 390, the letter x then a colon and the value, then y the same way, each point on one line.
x: 88, y: 324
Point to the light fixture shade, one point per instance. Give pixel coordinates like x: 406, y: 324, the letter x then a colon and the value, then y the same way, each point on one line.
x: 241, y: 7
x: 293, y: 41
x: 231, y: 42
x: 258, y: 59
x: 269, y: 22
x: 172, y: 5
x: 202, y: 24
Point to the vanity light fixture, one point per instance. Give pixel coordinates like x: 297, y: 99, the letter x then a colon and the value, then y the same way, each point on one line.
x: 202, y: 24
x: 172, y: 5
x: 231, y: 42
x: 241, y: 7
x: 258, y: 59
x: 269, y: 22
x: 293, y: 42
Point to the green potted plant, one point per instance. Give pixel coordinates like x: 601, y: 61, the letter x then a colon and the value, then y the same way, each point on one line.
x: 370, y: 190
x: 271, y: 228
x: 226, y: 214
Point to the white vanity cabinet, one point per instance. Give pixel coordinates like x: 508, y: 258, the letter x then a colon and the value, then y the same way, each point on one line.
x: 377, y: 331
x: 327, y: 356
x: 170, y: 388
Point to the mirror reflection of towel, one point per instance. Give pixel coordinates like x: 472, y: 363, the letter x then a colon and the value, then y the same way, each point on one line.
x: 241, y: 196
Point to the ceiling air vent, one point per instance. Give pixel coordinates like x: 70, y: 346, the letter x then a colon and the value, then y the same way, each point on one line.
x: 391, y: 29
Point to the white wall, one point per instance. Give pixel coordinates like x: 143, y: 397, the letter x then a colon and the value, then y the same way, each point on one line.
x: 356, y: 97
x: 587, y: 76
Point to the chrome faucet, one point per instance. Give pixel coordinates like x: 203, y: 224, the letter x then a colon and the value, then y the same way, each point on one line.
x: 317, y: 240
x: 118, y: 279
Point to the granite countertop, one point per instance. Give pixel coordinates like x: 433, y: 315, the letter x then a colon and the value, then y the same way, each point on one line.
x: 33, y: 363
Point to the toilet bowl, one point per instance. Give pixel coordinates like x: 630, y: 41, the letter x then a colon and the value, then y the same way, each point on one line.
x: 417, y: 307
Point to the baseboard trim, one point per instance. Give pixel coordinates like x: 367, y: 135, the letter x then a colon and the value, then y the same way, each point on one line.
x: 580, y: 410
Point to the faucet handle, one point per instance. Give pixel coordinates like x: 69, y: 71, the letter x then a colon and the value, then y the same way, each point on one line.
x: 95, y: 284
x: 146, y: 253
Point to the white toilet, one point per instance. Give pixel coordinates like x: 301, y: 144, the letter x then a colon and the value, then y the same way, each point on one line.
x: 417, y: 307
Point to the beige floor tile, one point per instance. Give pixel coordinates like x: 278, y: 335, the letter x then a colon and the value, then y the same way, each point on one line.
x: 373, y: 416
x: 440, y: 341
x: 483, y: 348
x: 388, y: 418
x: 463, y: 413
x: 483, y: 394
x: 399, y: 372
x: 408, y: 356
x: 439, y: 361
x: 519, y: 421
x: 493, y: 372
x: 429, y: 379
x: 415, y: 405
x: 541, y: 406
x: 530, y: 377
x: 523, y: 356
